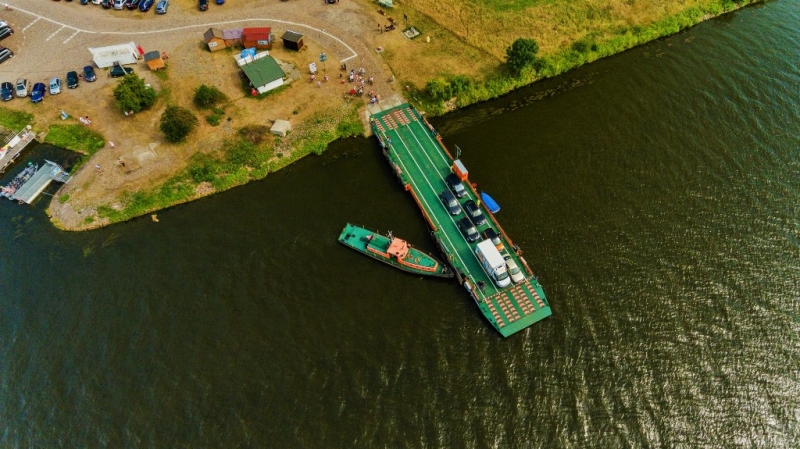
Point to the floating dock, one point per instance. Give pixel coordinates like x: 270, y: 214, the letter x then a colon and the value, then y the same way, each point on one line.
x: 13, y: 146
x: 421, y: 162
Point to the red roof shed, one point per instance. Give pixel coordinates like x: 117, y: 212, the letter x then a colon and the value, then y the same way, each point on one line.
x: 257, y: 37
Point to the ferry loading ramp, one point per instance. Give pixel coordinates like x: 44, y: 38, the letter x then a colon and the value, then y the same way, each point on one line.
x: 421, y: 162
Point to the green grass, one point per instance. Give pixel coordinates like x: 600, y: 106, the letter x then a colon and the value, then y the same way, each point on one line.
x: 78, y: 138
x: 241, y: 159
x: 587, y: 49
x: 14, y: 120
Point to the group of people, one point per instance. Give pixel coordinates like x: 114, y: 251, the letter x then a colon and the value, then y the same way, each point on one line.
x: 359, y: 79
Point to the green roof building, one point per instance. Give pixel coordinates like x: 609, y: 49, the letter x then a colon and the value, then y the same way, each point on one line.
x: 264, y: 73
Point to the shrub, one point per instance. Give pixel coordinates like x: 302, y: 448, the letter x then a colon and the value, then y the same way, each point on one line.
x: 521, y: 54
x: 131, y: 94
x: 207, y: 96
x: 177, y: 123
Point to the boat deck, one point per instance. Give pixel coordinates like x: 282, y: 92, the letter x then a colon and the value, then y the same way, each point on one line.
x: 421, y: 162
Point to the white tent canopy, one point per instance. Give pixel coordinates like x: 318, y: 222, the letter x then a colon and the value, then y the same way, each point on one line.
x: 122, y: 53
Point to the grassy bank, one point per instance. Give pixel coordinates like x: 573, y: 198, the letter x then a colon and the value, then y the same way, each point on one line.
x: 579, y: 32
x: 79, y: 138
x: 14, y: 120
x: 246, y: 157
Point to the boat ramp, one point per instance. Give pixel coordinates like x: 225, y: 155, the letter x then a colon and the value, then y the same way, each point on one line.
x: 421, y: 162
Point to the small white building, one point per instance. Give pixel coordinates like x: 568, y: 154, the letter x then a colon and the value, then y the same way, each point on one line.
x: 122, y: 53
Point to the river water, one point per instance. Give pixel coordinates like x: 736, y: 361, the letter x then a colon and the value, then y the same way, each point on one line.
x: 655, y: 194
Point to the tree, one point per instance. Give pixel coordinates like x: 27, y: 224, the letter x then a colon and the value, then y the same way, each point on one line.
x: 177, y: 123
x: 131, y: 94
x: 207, y: 96
x: 521, y: 54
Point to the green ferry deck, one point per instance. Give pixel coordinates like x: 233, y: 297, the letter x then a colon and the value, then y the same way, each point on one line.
x: 421, y: 162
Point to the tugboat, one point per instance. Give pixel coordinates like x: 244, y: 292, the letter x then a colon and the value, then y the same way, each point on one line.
x: 393, y: 251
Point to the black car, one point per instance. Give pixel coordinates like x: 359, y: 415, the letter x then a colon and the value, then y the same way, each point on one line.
x: 468, y: 229
x: 132, y: 4
x: 492, y: 235
x: 88, y: 74
x: 202, y: 5
x: 455, y: 185
x: 474, y: 213
x: 107, y: 4
x: 450, y: 202
x: 72, y: 79
x: 7, y: 91
x: 6, y: 54
x: 5, y: 32
x: 118, y: 71
x: 84, y: 2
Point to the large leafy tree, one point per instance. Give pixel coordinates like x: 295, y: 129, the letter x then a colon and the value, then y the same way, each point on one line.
x: 207, y: 96
x: 131, y: 94
x: 521, y: 54
x: 177, y: 123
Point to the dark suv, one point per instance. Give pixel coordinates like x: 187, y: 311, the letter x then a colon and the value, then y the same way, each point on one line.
x: 450, y: 202
x: 72, y: 79
x: 468, y: 229
x: 455, y: 185
x: 202, y: 5
x: 474, y: 213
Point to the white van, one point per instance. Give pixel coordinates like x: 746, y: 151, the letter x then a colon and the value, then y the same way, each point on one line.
x: 493, y: 263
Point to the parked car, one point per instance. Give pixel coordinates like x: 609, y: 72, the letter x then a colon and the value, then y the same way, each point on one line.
x: 220, y: 2
x: 5, y: 32
x: 455, y: 185
x: 37, y: 93
x: 118, y: 71
x: 22, y: 87
x: 161, y: 7
x: 145, y: 5
x: 7, y: 91
x: 107, y: 4
x: 132, y: 4
x: 450, y: 202
x: 492, y: 235
x: 72, y: 79
x: 514, y: 271
x: 84, y: 2
x: 55, y: 86
x: 97, y: 2
x: 119, y: 4
x: 474, y: 213
x: 202, y: 5
x: 5, y: 54
x: 468, y: 229
x: 88, y: 74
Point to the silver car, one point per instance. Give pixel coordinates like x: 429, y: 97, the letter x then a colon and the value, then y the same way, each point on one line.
x: 514, y: 271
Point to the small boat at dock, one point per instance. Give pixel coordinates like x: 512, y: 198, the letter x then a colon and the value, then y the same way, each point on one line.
x: 490, y: 203
x: 393, y: 251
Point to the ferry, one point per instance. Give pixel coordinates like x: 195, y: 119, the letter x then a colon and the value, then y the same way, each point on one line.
x: 482, y: 256
x: 393, y: 251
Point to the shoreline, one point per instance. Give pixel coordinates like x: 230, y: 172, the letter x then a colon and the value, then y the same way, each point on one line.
x: 182, y: 188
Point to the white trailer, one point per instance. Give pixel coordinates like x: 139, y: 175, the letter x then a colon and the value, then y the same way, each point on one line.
x: 493, y: 263
x: 123, y: 54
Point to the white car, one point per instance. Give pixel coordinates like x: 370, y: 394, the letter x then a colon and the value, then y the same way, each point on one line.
x: 118, y: 4
x: 161, y: 7
x: 97, y: 2
x: 514, y: 271
x: 55, y: 86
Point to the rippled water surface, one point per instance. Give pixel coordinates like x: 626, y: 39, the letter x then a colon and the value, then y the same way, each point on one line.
x: 656, y: 194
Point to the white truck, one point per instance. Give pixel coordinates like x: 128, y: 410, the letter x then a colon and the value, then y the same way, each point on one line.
x: 493, y: 263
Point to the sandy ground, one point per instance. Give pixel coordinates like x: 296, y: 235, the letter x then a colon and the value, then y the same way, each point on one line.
x: 52, y: 38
